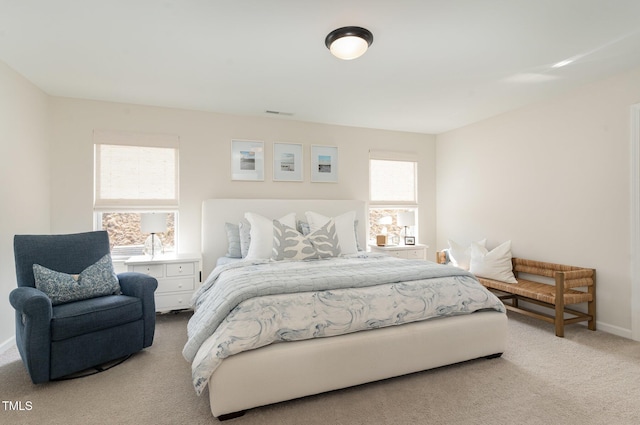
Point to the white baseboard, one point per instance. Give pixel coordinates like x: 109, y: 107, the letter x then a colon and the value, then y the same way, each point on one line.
x: 615, y: 330
x: 7, y: 344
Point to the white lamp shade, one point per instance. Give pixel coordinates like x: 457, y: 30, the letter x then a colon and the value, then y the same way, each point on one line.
x: 153, y: 222
x: 406, y: 218
x: 385, y: 220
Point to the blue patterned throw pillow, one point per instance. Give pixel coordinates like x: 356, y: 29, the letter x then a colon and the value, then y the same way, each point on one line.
x: 95, y: 281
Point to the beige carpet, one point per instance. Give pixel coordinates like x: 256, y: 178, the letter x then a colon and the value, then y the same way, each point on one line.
x: 585, y: 378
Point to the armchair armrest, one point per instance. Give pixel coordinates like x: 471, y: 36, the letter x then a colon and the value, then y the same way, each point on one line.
x: 142, y: 286
x: 137, y: 284
x: 31, y: 302
x: 33, y: 330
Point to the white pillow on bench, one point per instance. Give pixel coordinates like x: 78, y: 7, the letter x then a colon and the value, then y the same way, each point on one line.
x: 495, y: 264
x: 460, y: 255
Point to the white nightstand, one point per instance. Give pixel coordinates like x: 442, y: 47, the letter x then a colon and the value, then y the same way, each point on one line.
x: 414, y: 252
x: 178, y: 277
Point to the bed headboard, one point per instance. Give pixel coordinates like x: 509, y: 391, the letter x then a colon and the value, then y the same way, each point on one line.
x: 217, y: 212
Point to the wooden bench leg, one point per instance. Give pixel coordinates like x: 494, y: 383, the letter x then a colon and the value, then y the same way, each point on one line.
x: 559, y: 319
x: 591, y: 306
x: 592, y: 312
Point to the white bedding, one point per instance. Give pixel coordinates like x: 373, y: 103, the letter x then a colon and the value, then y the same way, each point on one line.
x: 344, y: 300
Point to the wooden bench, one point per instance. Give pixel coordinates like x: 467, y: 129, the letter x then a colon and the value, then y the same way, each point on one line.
x: 555, y: 295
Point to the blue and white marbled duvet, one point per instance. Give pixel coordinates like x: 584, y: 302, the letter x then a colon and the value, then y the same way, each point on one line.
x: 247, y: 305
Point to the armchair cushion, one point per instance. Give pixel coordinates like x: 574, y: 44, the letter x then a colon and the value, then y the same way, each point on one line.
x: 86, y: 316
x: 97, y: 280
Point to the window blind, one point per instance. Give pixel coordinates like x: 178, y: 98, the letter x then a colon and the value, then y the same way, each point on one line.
x: 393, y: 182
x: 129, y: 176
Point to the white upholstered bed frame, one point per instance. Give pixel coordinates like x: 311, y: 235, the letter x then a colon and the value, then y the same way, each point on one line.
x: 290, y: 370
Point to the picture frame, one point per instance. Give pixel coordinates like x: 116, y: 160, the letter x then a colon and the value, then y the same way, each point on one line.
x: 324, y: 164
x: 247, y: 160
x: 409, y: 240
x: 288, y: 162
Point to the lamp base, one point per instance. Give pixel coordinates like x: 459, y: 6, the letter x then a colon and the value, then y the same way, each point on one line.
x: 152, y: 245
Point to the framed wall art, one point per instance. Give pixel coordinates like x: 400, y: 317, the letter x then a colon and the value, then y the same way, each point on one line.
x: 287, y: 162
x: 247, y: 160
x: 324, y: 164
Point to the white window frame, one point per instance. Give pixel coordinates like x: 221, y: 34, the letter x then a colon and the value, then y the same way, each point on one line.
x: 170, y: 205
x: 394, y: 204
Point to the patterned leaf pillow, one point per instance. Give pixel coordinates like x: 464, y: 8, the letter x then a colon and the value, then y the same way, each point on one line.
x: 325, y: 240
x: 95, y: 281
x: 289, y: 244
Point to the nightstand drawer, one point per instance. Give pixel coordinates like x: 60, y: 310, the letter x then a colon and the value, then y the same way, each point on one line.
x: 399, y: 254
x: 155, y: 270
x: 410, y: 252
x: 415, y: 254
x: 175, y: 285
x: 180, y: 269
x: 166, y: 302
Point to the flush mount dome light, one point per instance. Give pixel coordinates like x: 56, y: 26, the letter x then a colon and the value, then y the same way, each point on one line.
x: 349, y: 42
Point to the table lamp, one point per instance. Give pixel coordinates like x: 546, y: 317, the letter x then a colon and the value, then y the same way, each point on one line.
x: 153, y: 223
x: 406, y: 219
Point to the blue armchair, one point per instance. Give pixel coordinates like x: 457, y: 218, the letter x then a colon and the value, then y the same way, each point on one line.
x: 56, y: 340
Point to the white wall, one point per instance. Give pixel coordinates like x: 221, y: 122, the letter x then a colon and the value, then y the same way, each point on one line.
x: 24, y: 174
x: 554, y: 178
x: 205, y: 144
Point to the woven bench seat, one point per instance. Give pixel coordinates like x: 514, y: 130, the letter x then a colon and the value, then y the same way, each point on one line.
x: 554, y: 296
x: 537, y: 291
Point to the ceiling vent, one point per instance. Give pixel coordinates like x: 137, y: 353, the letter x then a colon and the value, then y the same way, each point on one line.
x: 287, y: 114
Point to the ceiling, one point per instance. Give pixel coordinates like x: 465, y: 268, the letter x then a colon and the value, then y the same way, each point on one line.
x: 434, y: 65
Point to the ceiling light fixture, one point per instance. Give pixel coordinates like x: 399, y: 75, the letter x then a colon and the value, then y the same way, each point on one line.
x: 349, y: 42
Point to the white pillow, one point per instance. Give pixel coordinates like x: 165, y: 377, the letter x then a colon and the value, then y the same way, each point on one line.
x: 495, y: 264
x: 344, y: 229
x: 261, y: 245
x: 460, y: 255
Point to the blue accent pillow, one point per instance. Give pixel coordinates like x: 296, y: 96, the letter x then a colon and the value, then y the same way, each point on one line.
x: 233, y: 240
x: 244, y: 228
x: 303, y: 227
x: 95, y: 281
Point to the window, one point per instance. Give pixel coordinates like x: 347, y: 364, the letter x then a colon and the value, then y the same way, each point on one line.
x: 125, y: 236
x: 393, y: 185
x: 135, y: 173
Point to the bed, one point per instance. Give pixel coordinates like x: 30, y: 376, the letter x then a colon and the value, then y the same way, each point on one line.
x: 296, y: 368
